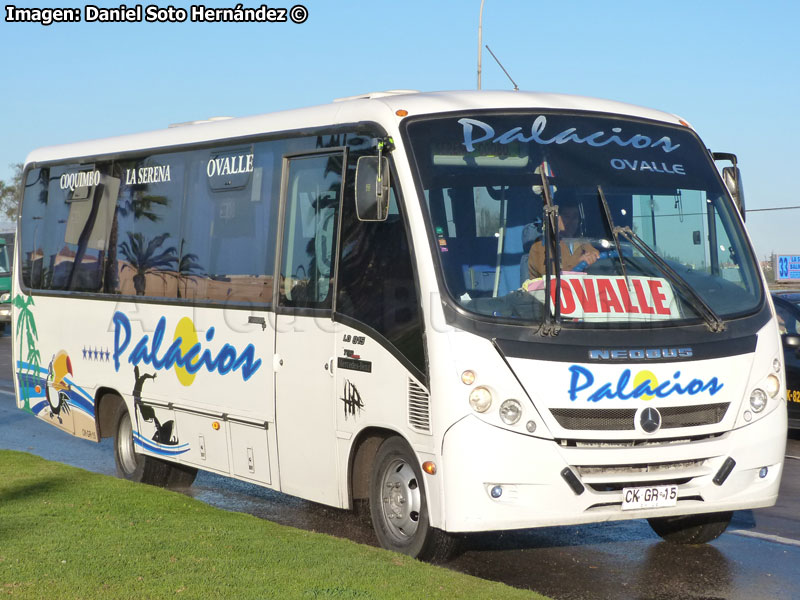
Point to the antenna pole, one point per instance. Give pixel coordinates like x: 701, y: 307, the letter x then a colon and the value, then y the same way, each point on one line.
x: 480, y: 43
x: 516, y: 87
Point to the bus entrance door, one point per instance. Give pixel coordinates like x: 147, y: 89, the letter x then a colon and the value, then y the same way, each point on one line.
x: 305, y: 332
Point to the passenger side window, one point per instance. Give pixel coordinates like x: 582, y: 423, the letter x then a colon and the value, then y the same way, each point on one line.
x: 147, y: 227
x: 377, y: 284
x: 313, y: 192
x: 77, y: 226
x: 226, y: 251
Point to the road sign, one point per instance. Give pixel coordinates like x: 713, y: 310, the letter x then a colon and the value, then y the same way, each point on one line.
x: 787, y: 267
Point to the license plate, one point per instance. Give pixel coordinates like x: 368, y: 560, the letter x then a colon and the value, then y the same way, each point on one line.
x: 654, y: 496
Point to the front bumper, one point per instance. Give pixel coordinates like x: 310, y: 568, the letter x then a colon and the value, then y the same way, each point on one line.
x: 476, y: 457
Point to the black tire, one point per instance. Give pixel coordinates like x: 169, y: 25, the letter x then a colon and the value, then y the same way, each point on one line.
x: 691, y: 529
x: 399, y: 509
x: 130, y: 464
x: 179, y: 476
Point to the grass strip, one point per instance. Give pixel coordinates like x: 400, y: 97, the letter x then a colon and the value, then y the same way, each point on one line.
x: 68, y: 533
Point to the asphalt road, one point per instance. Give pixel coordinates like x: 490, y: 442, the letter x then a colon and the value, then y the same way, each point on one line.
x: 756, y: 559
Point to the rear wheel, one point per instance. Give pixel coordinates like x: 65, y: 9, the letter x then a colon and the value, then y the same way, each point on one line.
x: 179, y: 476
x: 691, y: 529
x: 398, y: 506
x: 130, y: 464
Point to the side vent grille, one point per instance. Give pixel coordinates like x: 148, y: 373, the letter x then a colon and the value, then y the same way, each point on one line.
x: 419, y: 407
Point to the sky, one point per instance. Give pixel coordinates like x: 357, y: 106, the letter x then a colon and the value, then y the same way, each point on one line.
x: 729, y: 67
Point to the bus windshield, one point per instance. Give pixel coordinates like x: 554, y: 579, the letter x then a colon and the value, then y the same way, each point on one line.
x: 642, y: 230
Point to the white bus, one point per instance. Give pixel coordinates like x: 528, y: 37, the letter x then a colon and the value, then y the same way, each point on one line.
x: 472, y: 311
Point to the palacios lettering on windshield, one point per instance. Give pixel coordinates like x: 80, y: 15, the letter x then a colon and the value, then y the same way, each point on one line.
x: 597, y: 139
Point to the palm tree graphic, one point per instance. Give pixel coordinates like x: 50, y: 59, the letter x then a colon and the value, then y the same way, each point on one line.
x: 26, y: 323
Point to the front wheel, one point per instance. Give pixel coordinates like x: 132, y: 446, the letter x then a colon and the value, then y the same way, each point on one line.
x: 398, y: 506
x: 130, y: 464
x: 691, y: 529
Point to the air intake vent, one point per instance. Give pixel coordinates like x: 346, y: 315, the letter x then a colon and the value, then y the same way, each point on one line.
x: 419, y: 407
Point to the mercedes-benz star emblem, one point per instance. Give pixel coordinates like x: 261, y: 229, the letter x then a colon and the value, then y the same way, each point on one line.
x: 650, y: 420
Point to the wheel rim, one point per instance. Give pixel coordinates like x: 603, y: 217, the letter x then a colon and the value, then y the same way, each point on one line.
x: 125, y: 450
x: 401, y: 500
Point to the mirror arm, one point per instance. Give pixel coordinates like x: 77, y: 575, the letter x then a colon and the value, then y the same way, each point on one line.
x: 385, y: 144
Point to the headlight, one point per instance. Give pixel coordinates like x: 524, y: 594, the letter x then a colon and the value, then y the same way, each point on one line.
x: 510, y: 412
x: 758, y: 400
x: 773, y: 386
x: 5, y: 297
x: 480, y: 399
x: 468, y: 377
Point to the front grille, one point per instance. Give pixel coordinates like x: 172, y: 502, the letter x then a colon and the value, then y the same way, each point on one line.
x: 623, y: 419
x: 596, y: 419
x: 692, y: 416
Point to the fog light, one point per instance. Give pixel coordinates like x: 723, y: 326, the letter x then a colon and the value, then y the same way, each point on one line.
x: 776, y: 365
x: 496, y: 492
x: 763, y: 472
x: 758, y: 400
x: 510, y: 412
x: 468, y: 377
x: 773, y: 386
x: 480, y: 399
x: 530, y: 426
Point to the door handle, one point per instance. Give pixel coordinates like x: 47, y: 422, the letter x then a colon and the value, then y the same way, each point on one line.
x: 257, y: 321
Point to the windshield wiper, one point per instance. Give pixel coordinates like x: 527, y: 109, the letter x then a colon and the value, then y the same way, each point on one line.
x: 712, y: 319
x: 551, y: 325
x: 614, y: 233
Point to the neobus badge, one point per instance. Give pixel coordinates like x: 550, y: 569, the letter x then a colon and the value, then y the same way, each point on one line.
x: 640, y: 353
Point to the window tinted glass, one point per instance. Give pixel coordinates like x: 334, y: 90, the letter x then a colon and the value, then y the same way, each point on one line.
x: 77, y: 226
x: 148, y: 226
x: 31, y: 236
x: 312, y: 206
x: 227, y: 248
x: 376, y: 277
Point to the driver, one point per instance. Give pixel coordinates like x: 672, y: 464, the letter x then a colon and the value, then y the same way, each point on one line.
x: 574, y: 249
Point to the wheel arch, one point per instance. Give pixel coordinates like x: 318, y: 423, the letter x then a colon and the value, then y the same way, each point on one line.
x: 362, y: 456
x: 106, y: 407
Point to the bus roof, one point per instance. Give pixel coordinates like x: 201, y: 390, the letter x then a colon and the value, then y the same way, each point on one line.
x: 377, y: 106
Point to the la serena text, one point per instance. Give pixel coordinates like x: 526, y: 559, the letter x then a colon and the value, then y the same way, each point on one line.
x: 219, y: 165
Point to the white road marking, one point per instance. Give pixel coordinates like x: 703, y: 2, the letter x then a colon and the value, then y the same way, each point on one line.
x: 793, y: 457
x: 765, y: 536
x: 6, y: 393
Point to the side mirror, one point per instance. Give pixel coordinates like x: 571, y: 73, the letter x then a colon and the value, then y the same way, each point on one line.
x: 791, y: 340
x: 732, y: 177
x: 372, y: 188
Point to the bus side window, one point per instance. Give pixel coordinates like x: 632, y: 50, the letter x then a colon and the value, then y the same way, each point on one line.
x: 227, y: 243
x: 376, y: 283
x: 77, y: 226
x: 309, y: 231
x: 31, y: 238
x: 147, y: 226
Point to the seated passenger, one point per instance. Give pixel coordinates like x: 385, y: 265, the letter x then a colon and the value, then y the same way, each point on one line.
x: 573, y: 248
